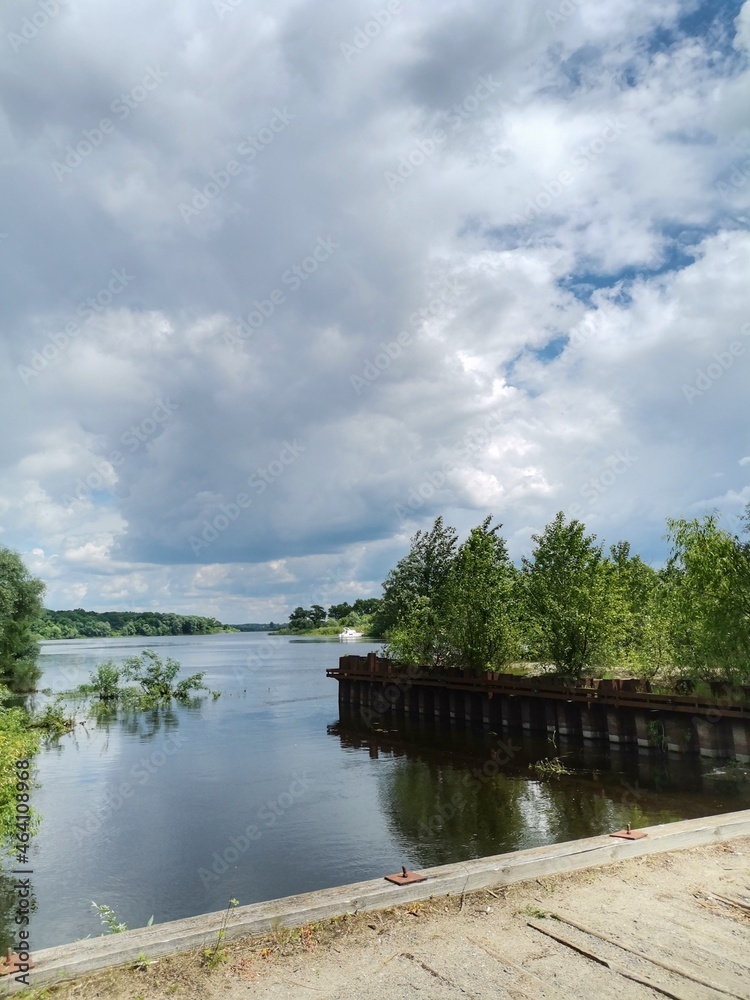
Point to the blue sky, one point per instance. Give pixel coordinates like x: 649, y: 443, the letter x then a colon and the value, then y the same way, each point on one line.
x: 283, y: 282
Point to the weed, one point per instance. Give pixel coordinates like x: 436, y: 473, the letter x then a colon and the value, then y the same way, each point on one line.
x: 306, y: 936
x: 550, y: 767
x: 535, y: 911
x: 109, y: 918
x: 213, y: 957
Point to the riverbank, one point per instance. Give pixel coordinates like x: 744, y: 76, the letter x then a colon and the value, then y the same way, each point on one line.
x: 467, y: 930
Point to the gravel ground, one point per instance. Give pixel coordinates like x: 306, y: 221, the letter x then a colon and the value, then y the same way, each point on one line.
x: 498, y: 943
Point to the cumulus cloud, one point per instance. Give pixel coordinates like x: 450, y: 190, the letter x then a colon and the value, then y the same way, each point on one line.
x: 285, y: 281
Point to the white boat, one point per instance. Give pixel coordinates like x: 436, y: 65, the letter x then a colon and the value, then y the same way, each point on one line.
x: 350, y: 633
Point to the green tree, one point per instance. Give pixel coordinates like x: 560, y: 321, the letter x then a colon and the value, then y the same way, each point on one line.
x: 106, y: 681
x: 338, y: 612
x: 644, y: 600
x: 572, y: 605
x: 710, y: 572
x: 420, y: 574
x: 20, y: 611
x: 479, y: 602
x: 366, y: 605
x: 317, y: 615
x: 300, y: 620
x: 418, y: 637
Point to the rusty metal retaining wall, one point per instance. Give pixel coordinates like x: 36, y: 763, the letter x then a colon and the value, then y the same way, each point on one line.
x: 614, y: 711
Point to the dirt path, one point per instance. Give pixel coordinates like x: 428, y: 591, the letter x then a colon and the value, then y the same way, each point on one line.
x: 503, y: 944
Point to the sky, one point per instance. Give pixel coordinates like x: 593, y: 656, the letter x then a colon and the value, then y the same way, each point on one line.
x: 284, y: 281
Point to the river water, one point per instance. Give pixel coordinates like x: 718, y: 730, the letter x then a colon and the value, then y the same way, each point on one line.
x: 266, y: 792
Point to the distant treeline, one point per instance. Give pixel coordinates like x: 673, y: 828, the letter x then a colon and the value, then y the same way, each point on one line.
x: 256, y: 627
x: 78, y: 624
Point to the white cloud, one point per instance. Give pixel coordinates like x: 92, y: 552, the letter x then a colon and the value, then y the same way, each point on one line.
x: 567, y: 268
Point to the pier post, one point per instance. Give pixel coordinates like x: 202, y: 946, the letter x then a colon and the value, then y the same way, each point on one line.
x: 679, y: 733
x: 569, y: 718
x: 452, y: 707
x: 741, y: 740
x: 533, y: 715
x: 593, y: 722
x: 644, y: 734
x: 550, y: 712
x: 620, y: 726
x: 511, y: 710
x: 708, y: 736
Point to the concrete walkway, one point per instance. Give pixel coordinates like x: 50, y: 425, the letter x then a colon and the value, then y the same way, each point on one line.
x: 641, y: 904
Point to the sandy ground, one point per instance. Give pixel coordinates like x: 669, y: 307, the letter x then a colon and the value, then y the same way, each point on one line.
x: 492, y: 944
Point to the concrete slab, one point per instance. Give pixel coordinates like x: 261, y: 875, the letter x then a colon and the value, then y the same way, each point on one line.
x: 92, y: 955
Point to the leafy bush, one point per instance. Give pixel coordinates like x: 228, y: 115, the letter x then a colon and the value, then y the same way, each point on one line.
x: 54, y: 720
x: 17, y: 742
x: 105, y: 681
x: 156, y: 679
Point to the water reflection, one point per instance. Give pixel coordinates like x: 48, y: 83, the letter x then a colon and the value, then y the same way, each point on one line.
x: 455, y: 791
x: 156, y: 721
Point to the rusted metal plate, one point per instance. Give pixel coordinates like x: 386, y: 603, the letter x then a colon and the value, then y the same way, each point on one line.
x: 405, y: 877
x: 11, y: 964
x: 629, y: 834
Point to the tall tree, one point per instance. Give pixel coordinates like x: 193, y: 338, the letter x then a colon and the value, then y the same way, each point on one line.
x: 339, y: 611
x: 480, y: 615
x: 420, y: 574
x: 317, y: 615
x: 571, y: 601
x: 711, y: 578
x: 300, y: 620
x: 20, y: 610
x: 644, y: 631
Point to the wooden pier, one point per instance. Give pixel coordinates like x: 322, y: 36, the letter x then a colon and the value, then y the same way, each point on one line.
x: 618, y: 712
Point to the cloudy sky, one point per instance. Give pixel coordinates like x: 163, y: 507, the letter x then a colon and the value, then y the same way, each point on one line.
x: 285, y: 280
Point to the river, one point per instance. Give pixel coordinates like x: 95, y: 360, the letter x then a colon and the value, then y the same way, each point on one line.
x: 266, y: 792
